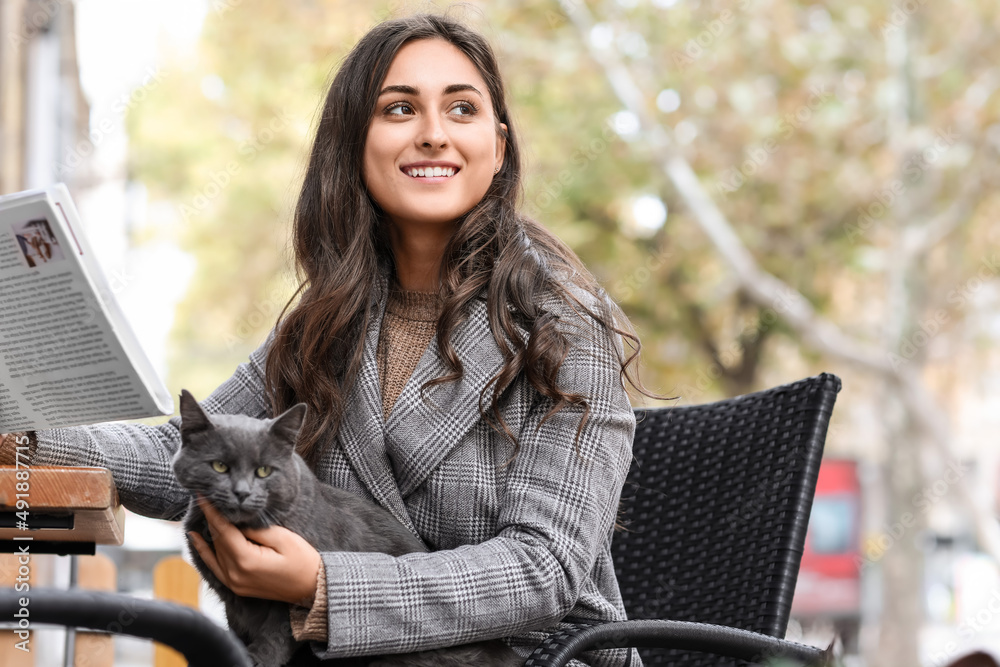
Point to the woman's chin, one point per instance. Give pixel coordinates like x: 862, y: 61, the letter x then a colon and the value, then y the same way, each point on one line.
x: 432, y: 212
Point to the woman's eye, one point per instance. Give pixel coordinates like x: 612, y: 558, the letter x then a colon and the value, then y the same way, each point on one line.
x: 391, y: 109
x: 219, y: 466
x: 263, y: 471
x: 469, y: 106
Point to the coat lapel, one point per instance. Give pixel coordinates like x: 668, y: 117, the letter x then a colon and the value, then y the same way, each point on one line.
x: 430, y: 427
x: 362, y: 429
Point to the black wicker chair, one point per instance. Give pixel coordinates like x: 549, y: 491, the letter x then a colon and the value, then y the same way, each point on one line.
x: 200, y: 640
x: 716, y: 509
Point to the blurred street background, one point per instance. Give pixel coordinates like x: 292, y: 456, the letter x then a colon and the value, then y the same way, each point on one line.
x: 770, y: 189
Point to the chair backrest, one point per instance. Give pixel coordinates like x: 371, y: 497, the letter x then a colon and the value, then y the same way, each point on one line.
x: 716, y: 508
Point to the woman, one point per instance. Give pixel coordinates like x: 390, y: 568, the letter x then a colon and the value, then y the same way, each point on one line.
x: 461, y: 367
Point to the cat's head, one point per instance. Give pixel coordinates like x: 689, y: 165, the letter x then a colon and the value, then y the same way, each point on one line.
x: 245, y: 467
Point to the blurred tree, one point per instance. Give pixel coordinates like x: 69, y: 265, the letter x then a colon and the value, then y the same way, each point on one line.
x: 224, y: 141
x: 920, y: 145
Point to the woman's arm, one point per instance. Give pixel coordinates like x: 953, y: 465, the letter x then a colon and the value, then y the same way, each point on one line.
x: 140, y: 457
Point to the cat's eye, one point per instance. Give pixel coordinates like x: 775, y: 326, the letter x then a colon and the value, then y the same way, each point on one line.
x: 263, y: 471
x: 219, y: 466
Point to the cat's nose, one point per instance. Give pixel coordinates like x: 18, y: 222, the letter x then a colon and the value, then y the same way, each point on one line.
x: 241, y: 489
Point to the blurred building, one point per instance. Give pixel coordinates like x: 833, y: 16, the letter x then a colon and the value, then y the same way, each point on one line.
x: 43, y: 111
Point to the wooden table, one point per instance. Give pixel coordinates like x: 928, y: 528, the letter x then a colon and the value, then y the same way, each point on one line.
x: 70, y: 510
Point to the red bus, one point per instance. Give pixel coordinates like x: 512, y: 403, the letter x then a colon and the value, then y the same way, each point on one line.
x: 829, y: 584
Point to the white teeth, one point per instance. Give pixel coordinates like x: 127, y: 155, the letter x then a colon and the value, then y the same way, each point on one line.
x: 431, y: 171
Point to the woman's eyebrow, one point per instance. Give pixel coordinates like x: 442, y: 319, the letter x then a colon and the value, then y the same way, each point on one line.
x: 410, y: 90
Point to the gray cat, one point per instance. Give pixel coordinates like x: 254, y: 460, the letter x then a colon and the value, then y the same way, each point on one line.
x: 249, y: 470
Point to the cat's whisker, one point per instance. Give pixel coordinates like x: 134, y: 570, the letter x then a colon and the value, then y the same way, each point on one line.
x: 269, y: 519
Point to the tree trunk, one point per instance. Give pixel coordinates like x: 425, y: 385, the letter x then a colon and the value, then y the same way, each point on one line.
x: 901, y: 564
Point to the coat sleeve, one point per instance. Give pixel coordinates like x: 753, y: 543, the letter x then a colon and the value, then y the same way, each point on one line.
x: 557, y: 517
x: 140, y: 457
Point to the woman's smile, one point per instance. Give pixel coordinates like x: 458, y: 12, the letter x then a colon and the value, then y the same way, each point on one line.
x: 427, y: 172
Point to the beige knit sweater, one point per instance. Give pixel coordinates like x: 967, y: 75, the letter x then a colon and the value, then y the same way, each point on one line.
x: 408, y: 326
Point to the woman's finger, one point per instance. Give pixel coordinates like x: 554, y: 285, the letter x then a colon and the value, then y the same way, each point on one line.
x: 272, y: 537
x: 207, y: 555
x: 218, y: 525
x: 207, y: 510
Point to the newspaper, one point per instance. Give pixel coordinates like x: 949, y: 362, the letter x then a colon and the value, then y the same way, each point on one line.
x: 67, y: 354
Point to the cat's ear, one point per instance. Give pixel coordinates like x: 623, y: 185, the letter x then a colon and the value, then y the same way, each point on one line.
x: 288, y: 424
x: 193, y: 418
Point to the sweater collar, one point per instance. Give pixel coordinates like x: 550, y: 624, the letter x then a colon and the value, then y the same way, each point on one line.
x: 412, y: 305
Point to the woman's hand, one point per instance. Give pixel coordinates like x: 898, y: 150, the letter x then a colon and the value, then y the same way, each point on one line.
x: 271, y: 563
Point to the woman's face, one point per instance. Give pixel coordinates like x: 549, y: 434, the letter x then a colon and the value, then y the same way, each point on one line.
x: 434, y: 111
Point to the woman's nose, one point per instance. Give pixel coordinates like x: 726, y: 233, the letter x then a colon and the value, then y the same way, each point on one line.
x: 432, y: 132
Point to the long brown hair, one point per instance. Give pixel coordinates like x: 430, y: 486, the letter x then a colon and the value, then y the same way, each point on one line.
x: 341, y: 242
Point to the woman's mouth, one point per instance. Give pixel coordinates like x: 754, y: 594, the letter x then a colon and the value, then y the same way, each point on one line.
x: 430, y: 174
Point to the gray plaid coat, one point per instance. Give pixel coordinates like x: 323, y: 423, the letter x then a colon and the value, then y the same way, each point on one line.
x: 515, y: 549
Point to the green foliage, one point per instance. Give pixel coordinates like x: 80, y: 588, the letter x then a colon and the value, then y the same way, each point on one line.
x: 785, y: 115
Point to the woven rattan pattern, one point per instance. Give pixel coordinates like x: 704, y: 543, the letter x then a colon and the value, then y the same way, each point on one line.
x: 716, y: 508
